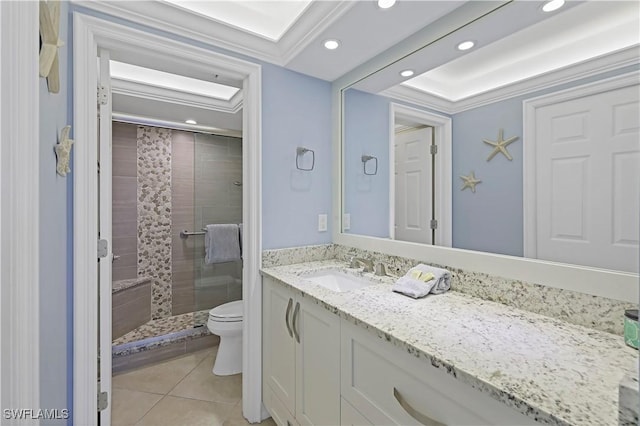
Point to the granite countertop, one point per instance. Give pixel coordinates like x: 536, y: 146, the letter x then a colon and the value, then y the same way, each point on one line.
x: 553, y: 371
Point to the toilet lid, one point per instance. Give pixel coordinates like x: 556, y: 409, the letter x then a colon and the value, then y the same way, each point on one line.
x: 228, y: 312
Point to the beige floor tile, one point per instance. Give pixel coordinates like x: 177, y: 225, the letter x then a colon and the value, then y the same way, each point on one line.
x: 160, y: 378
x: 237, y: 419
x: 202, y: 384
x: 128, y: 407
x: 173, y: 411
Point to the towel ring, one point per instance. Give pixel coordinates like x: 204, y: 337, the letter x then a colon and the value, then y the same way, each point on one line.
x: 365, y: 159
x: 300, y: 151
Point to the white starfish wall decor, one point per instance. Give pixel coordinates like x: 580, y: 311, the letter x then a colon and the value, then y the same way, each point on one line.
x: 469, y: 182
x: 500, y: 145
x: 50, y: 42
x: 63, y: 151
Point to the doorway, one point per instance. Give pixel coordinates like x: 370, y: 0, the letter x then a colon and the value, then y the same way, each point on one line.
x: 128, y: 45
x: 420, y: 187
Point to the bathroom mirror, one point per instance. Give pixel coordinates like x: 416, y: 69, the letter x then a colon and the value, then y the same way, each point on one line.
x: 526, y: 144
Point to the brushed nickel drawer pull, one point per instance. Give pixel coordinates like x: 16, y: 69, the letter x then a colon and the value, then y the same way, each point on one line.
x: 296, y: 313
x: 421, y: 418
x: 286, y: 317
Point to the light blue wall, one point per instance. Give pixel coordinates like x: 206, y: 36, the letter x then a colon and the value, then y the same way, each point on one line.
x: 296, y: 111
x: 491, y: 218
x: 366, y: 132
x: 55, y: 312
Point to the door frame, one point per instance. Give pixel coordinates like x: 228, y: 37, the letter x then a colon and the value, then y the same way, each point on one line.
x: 19, y: 207
x: 529, y: 172
x: 443, y: 137
x: 89, y: 34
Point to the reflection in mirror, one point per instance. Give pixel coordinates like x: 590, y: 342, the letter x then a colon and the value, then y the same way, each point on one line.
x: 560, y: 89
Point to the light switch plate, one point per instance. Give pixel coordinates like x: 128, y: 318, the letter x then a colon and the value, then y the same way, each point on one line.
x: 346, y: 222
x: 322, y: 222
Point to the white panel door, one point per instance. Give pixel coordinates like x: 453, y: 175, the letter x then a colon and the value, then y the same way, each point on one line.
x: 413, y: 186
x: 279, y: 352
x: 318, y: 365
x: 588, y: 180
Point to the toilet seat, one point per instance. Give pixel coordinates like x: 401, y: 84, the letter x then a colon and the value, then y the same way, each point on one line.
x: 228, y: 312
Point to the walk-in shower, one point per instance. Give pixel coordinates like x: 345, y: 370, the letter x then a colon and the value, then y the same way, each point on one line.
x: 166, y: 182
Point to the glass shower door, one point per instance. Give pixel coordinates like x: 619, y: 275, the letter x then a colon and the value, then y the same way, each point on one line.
x: 217, y: 200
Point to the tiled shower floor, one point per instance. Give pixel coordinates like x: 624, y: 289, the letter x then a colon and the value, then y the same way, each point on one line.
x: 164, y: 326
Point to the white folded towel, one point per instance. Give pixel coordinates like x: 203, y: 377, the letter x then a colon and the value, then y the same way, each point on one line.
x: 422, y: 280
x: 222, y: 243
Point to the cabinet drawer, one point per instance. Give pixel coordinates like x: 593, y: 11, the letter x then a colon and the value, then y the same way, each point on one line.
x: 389, y: 386
x: 349, y: 416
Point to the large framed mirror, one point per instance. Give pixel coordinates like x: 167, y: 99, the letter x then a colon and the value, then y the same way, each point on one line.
x: 524, y: 146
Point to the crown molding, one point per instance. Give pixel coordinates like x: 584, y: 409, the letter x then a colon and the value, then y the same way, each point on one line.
x: 178, y: 97
x: 585, y: 69
x: 171, y: 18
x: 313, y: 22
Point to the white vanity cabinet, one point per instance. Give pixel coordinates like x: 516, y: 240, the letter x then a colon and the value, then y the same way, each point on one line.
x: 385, y: 385
x: 301, y: 358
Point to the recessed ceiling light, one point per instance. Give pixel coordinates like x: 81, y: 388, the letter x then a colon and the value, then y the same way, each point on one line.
x: 331, y: 44
x: 386, y: 4
x: 406, y: 73
x: 191, y: 121
x: 553, y: 5
x: 466, y: 45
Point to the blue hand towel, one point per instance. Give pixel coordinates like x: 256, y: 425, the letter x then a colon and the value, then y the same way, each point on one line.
x: 222, y: 243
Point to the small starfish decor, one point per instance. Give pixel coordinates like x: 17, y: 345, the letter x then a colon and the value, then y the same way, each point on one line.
x: 63, y: 152
x: 500, y: 145
x: 469, y: 182
x: 49, y: 31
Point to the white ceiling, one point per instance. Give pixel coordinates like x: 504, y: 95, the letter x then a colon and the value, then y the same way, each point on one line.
x: 584, y: 32
x: 516, y: 43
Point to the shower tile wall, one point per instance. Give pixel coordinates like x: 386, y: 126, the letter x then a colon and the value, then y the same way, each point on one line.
x: 218, y: 200
x: 124, y: 210
x: 182, y: 193
x: 154, y: 215
x: 166, y: 181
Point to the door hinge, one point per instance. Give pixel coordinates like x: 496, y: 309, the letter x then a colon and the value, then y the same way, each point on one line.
x: 103, y: 401
x: 103, y: 248
x: 433, y: 149
x: 103, y: 95
x: 434, y: 224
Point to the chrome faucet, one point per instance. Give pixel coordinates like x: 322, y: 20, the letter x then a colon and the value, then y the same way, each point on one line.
x: 380, y: 270
x: 366, y: 263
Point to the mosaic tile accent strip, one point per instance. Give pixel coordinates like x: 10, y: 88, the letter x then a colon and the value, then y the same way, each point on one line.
x: 289, y: 256
x: 598, y: 313
x: 154, y: 215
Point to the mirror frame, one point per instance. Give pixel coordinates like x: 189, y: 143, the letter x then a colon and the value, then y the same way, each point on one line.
x: 610, y: 284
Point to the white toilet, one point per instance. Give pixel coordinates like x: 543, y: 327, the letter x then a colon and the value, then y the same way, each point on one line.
x: 226, y: 322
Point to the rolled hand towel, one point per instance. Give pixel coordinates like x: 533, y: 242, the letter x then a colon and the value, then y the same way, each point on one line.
x: 422, y: 280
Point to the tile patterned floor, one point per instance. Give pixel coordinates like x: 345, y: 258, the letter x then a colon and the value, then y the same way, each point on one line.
x: 179, y: 392
x: 163, y: 326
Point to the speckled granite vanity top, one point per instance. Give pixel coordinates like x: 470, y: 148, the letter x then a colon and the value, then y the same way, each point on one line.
x: 555, y: 372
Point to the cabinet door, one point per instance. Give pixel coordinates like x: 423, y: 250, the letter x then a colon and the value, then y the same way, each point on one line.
x: 318, y: 365
x: 278, y: 343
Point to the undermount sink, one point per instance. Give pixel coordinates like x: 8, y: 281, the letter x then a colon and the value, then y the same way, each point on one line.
x: 336, y: 280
